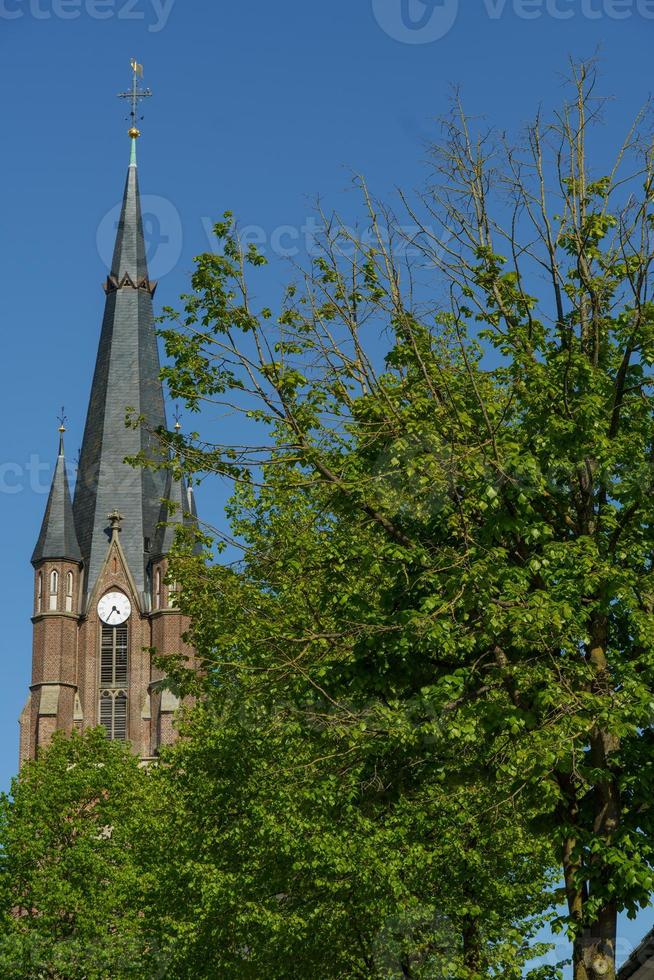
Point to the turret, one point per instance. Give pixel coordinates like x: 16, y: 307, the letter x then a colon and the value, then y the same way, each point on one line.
x: 54, y: 703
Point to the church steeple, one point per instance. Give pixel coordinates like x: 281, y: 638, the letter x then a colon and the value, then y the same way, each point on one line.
x: 57, y: 539
x: 126, y: 378
x: 103, y: 600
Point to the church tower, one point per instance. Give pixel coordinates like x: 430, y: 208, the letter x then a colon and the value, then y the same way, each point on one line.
x: 101, y: 598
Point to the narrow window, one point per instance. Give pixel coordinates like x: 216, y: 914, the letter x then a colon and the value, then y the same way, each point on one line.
x: 70, y: 582
x: 113, y: 714
x: 113, y: 658
x: 54, y: 589
x: 157, y: 590
x: 39, y: 592
x: 114, y: 650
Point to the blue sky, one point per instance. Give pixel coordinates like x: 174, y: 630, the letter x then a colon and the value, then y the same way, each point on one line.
x: 259, y: 107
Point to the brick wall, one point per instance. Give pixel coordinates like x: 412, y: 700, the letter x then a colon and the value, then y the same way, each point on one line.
x: 66, y: 657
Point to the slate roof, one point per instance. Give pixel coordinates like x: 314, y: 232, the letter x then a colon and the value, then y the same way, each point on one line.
x: 178, y: 495
x: 640, y: 965
x: 58, y: 539
x: 126, y: 377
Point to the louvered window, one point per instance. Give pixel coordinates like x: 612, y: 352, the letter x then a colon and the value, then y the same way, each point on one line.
x: 114, y: 655
x: 113, y: 714
x: 113, y: 658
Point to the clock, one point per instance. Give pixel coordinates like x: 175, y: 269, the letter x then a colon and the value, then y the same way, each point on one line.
x: 114, y: 608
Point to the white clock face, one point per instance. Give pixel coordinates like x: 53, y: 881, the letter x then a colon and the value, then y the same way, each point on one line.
x: 114, y: 608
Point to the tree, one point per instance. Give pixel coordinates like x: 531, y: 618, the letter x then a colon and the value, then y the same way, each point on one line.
x: 307, y: 843
x: 493, y: 470
x: 71, y: 889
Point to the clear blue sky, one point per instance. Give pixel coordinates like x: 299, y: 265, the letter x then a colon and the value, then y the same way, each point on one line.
x: 259, y: 107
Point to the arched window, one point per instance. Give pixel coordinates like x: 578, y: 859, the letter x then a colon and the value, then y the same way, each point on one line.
x: 54, y: 588
x: 113, y: 714
x: 39, y: 592
x: 157, y: 589
x: 113, y: 681
x: 70, y: 584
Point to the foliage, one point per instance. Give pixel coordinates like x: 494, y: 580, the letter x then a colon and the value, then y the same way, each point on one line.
x: 71, y: 885
x: 478, y: 497
x: 304, y: 843
x: 430, y: 679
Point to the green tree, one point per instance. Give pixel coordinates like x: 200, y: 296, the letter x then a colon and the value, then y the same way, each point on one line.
x: 71, y: 888
x: 276, y: 860
x: 492, y: 473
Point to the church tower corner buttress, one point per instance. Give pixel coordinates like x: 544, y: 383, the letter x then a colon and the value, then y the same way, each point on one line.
x: 102, y: 602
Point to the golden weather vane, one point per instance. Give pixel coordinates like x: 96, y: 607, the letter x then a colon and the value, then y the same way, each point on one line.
x: 135, y: 96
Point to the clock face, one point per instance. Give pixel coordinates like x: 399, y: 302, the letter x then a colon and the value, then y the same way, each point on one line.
x: 114, y: 608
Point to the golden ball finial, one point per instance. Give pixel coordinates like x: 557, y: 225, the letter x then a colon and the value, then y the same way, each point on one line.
x: 62, y: 428
x: 134, y: 133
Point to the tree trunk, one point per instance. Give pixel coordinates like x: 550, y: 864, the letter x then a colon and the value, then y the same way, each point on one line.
x: 472, y: 952
x: 594, y: 949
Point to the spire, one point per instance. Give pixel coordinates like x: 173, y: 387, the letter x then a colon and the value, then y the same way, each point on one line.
x: 126, y: 378
x: 175, y: 511
x: 129, y: 256
x: 57, y: 539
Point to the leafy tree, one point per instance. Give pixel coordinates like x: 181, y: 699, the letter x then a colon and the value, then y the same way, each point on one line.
x: 71, y: 886
x: 477, y: 424
x: 276, y: 861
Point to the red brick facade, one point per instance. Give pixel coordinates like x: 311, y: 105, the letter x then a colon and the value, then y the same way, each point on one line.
x: 65, y: 689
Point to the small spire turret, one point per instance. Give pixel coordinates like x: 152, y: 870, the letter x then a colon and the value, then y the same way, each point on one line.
x: 58, y: 539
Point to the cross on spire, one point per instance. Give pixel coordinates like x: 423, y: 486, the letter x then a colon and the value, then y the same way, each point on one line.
x: 62, y: 418
x: 135, y: 96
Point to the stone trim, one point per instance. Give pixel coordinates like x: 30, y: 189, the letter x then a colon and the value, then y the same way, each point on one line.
x: 49, y: 703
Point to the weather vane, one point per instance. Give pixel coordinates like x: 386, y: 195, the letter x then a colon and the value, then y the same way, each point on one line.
x: 135, y: 96
x: 62, y: 418
x: 178, y: 423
